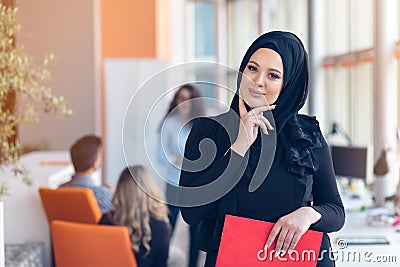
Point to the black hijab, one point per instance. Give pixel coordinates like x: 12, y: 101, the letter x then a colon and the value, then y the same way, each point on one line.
x: 298, y: 134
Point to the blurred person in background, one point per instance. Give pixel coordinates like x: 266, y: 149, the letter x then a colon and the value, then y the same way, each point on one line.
x: 138, y: 205
x: 86, y: 158
x: 186, y: 106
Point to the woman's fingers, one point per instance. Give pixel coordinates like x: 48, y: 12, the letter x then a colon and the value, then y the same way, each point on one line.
x: 255, y: 132
x: 281, y: 240
x: 263, y: 108
x: 263, y: 127
x: 243, y: 110
x: 288, y: 229
x: 273, y: 234
x: 288, y: 241
x: 250, y: 122
x: 258, y: 113
x: 256, y: 122
x: 266, y: 122
x: 260, y: 121
x: 295, y: 240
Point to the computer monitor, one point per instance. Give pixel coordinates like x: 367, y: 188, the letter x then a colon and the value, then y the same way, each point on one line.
x: 353, y: 162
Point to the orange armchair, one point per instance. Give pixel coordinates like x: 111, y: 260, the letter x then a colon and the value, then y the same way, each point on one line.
x: 82, y: 245
x: 70, y: 204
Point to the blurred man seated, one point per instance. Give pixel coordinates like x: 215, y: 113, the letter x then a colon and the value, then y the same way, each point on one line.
x: 86, y: 158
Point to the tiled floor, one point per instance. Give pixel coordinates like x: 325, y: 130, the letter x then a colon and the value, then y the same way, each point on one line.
x: 180, y: 238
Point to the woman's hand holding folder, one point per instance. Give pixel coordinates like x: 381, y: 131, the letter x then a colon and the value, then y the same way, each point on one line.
x: 289, y: 228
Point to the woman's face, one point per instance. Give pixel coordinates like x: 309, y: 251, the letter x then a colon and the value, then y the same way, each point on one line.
x: 262, y: 79
x: 184, y: 106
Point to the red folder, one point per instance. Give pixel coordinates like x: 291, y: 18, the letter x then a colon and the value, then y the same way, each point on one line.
x: 243, y: 241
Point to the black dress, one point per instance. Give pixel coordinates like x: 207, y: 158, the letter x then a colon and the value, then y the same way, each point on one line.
x: 281, y: 192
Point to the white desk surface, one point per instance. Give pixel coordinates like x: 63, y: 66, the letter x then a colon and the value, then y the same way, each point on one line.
x: 365, y: 255
x: 25, y: 219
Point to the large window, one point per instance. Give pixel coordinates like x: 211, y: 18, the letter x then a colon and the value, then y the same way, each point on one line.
x: 362, y: 108
x: 243, y: 28
x: 221, y: 31
x: 349, y: 30
x: 201, y: 30
x: 337, y: 26
x: 362, y: 24
x: 247, y: 19
x: 289, y: 15
x: 201, y: 40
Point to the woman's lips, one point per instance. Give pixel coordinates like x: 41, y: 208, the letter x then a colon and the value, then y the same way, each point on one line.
x: 255, y: 93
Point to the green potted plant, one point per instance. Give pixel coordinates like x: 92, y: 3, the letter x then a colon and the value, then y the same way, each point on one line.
x: 23, y: 80
x: 22, y: 89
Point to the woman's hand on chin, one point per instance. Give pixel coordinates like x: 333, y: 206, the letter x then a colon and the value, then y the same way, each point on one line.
x: 250, y: 121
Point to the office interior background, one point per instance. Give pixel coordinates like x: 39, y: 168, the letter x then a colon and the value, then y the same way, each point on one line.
x: 353, y: 47
x: 106, y: 50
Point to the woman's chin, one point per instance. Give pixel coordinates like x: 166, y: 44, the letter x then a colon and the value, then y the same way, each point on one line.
x: 255, y: 103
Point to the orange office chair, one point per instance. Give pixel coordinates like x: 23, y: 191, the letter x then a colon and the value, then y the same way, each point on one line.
x: 70, y: 204
x: 83, y: 245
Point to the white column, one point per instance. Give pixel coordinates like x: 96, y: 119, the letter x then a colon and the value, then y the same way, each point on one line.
x: 385, y: 94
x: 316, y: 48
x: 97, y: 61
x: 221, y: 54
x: 178, y: 31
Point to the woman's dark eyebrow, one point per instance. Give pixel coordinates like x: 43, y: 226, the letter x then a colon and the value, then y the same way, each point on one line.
x: 273, y: 69
x: 258, y: 65
x: 255, y: 63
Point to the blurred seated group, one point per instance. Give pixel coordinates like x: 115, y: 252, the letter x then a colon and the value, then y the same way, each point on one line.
x: 134, y: 211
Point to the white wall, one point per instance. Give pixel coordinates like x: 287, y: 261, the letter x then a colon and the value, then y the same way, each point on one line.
x: 128, y: 105
x: 24, y: 217
x: 65, y: 28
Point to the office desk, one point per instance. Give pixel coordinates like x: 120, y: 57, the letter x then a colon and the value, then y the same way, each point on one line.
x: 25, y: 220
x: 365, y: 255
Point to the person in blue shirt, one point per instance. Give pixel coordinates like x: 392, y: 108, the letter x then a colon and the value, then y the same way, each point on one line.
x: 86, y: 159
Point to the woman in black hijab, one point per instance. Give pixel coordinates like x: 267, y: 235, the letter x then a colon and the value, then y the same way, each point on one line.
x: 267, y: 162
